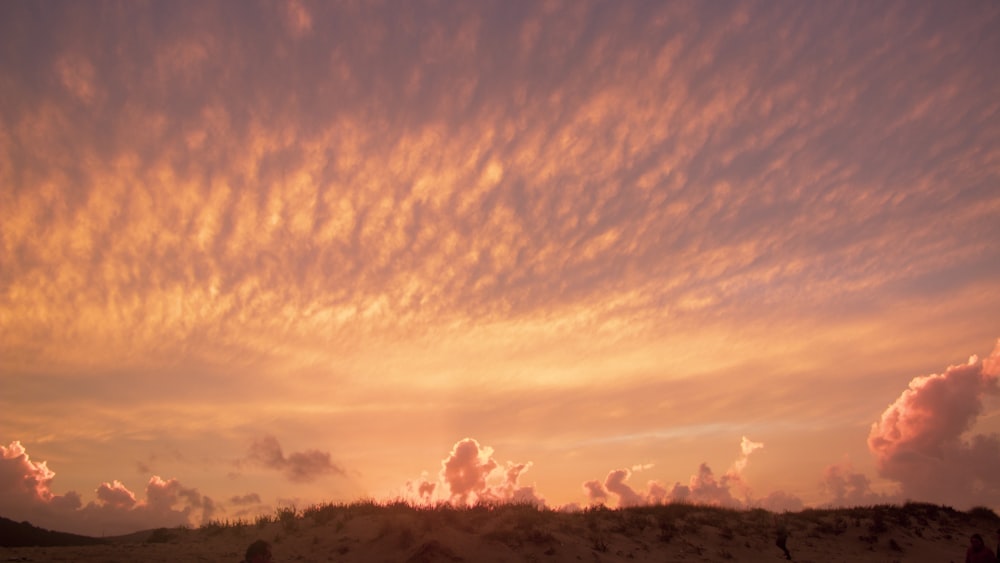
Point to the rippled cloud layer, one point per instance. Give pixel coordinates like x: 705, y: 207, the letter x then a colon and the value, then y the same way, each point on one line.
x: 625, y: 223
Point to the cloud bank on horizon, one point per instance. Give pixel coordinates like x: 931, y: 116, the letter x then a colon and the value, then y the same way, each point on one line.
x: 931, y: 418
x: 576, y: 231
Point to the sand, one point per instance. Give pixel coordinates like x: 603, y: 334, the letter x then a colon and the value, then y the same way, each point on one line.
x: 396, y: 533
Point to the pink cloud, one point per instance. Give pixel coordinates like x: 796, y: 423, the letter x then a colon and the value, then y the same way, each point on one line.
x: 466, y: 469
x: 615, y: 484
x: 115, y: 495
x: 848, y: 487
x: 470, y: 474
x: 921, y: 440
x: 25, y: 494
x: 657, y: 493
x: 595, y: 492
x: 167, y: 503
x: 421, y: 490
x: 780, y: 501
x: 703, y: 487
x: 747, y: 447
x: 21, y: 477
x: 426, y: 489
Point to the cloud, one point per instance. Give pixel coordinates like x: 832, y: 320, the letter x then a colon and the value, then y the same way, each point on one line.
x: 615, y: 484
x: 850, y: 488
x: 780, y: 501
x: 297, y: 17
x: 248, y: 505
x: 747, y: 447
x: 922, y: 440
x: 595, y: 492
x: 470, y: 474
x: 422, y: 490
x: 25, y: 494
x: 249, y: 498
x: 115, y: 495
x: 299, y: 467
x: 311, y: 184
x: 466, y: 469
x: 702, y: 488
x: 605, y: 159
x: 167, y: 503
x: 25, y: 484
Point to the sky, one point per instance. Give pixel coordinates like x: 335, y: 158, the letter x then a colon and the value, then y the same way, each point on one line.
x: 274, y: 253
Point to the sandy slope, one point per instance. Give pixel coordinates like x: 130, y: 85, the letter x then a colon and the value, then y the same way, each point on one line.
x: 668, y: 533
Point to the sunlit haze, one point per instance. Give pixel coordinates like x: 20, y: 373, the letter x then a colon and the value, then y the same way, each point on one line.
x: 261, y: 254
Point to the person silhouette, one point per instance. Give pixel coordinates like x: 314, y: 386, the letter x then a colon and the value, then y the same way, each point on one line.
x: 978, y: 552
x: 781, y: 539
x: 258, y: 552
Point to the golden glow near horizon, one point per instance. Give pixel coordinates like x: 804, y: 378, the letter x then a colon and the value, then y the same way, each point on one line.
x: 302, y: 251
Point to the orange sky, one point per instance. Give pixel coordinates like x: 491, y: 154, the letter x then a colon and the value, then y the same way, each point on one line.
x: 296, y: 252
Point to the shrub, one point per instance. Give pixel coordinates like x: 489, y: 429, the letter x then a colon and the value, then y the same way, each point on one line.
x: 983, y: 513
x: 262, y: 520
x: 160, y: 535
x: 288, y: 516
x: 668, y: 530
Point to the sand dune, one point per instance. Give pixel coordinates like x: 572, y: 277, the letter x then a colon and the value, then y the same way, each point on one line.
x: 399, y: 533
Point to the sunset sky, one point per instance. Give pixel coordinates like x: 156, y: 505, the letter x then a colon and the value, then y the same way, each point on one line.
x: 271, y: 253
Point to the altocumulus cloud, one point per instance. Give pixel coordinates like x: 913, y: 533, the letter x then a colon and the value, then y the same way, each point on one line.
x: 524, y: 159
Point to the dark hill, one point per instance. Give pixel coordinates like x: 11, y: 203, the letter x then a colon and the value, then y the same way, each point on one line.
x: 23, y: 534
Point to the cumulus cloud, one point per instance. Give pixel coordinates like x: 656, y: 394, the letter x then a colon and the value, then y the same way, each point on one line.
x: 595, y: 492
x: 470, y: 474
x: 702, y: 488
x: 115, y: 495
x: 299, y: 467
x: 615, y: 484
x: 922, y: 441
x: 25, y: 494
x: 422, y: 489
x: 25, y: 484
x: 848, y: 487
x: 781, y: 501
x: 167, y: 503
x: 466, y: 469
